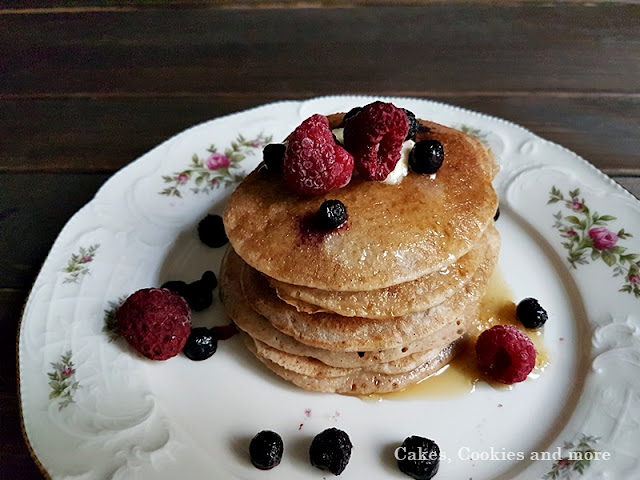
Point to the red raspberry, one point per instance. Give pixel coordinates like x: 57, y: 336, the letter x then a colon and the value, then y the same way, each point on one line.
x: 156, y: 322
x: 313, y: 163
x: 505, y: 354
x: 375, y: 136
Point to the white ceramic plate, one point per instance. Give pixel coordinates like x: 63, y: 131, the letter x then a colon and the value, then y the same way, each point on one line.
x: 93, y: 408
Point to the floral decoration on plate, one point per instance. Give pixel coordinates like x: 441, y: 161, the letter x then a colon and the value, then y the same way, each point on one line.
x: 215, y: 170
x: 481, y: 135
x: 62, y: 381
x: 577, y: 459
x: 110, y: 323
x: 78, y: 263
x: 587, y: 237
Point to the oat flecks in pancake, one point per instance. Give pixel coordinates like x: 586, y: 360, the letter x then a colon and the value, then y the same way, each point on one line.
x: 395, y: 233
x: 402, y: 299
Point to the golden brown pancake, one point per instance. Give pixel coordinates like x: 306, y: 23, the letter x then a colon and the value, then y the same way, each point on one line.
x: 359, y: 381
x: 352, y: 334
x: 256, y: 326
x: 394, y: 233
x: 315, y: 368
x: 401, y: 299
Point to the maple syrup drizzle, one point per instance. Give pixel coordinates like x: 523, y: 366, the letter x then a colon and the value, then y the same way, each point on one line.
x: 461, y: 375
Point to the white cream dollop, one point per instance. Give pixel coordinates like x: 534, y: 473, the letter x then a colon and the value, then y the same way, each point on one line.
x: 339, y: 133
x: 402, y: 167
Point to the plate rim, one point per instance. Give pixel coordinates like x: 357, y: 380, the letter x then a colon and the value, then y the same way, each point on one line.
x: 114, y: 177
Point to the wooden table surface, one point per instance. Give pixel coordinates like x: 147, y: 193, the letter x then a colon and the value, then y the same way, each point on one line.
x: 88, y: 87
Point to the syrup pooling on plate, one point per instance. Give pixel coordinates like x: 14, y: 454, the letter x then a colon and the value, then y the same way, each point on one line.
x: 461, y: 375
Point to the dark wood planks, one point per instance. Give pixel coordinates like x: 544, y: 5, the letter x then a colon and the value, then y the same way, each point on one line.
x: 15, y: 461
x: 435, y: 47
x: 33, y: 210
x: 86, y: 134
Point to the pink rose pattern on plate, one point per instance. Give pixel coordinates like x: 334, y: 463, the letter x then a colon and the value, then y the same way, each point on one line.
x: 216, y: 169
x: 576, y: 459
x: 588, y: 238
x: 79, y: 263
x: 62, y: 381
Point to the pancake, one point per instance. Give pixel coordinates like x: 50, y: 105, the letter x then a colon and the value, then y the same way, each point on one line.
x: 313, y: 367
x: 352, y: 334
x: 402, y: 299
x: 394, y: 233
x: 256, y: 326
x: 360, y: 382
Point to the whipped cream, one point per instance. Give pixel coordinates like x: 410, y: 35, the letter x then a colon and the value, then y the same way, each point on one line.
x: 402, y: 167
x: 339, y: 133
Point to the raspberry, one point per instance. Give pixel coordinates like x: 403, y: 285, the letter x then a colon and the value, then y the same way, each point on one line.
x: 156, y: 322
x: 313, y: 163
x: 375, y: 136
x: 505, y: 354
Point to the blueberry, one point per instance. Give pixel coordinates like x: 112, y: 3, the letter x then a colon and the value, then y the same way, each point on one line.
x: 352, y: 113
x: 210, y: 279
x: 426, y: 157
x: 211, y: 231
x: 331, y: 450
x: 414, y: 125
x: 176, y: 286
x: 273, y: 156
x: 266, y: 450
x: 199, y: 295
x: 332, y: 214
x: 419, y: 457
x: 361, y: 354
x: 201, y: 344
x: 531, y: 314
x: 497, y: 215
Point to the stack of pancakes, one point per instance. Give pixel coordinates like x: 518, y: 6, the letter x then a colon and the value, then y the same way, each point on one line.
x: 383, y: 301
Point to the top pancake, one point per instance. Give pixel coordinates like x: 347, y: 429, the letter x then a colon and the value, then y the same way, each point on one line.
x: 394, y: 233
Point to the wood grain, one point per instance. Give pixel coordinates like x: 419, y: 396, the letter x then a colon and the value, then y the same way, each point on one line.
x: 34, y: 209
x: 407, y: 49
x: 15, y: 461
x: 103, y: 134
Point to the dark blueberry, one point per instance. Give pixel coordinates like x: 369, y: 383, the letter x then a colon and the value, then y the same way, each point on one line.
x: 418, y: 457
x: 361, y: 354
x: 414, y: 125
x: 266, y: 450
x: 273, y: 156
x: 199, y: 295
x: 426, y: 157
x: 211, y: 231
x: 331, y: 450
x: 531, y: 314
x: 176, y: 286
x: 352, y: 113
x: 210, y: 279
x: 497, y: 215
x: 332, y: 214
x: 201, y: 344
